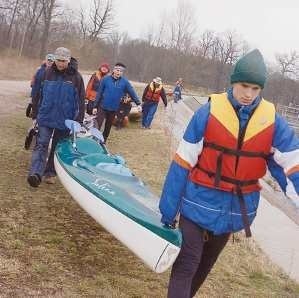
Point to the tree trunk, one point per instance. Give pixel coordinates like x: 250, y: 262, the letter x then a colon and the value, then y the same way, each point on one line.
x: 48, y: 11
x: 12, y: 19
x: 44, y: 40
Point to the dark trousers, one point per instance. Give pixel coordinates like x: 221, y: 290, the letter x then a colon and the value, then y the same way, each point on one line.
x: 199, y: 252
x: 89, y: 107
x: 39, y: 163
x: 123, y: 111
x: 109, y: 117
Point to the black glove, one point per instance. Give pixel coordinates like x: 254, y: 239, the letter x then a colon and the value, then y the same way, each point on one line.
x: 28, y: 140
x: 29, y: 110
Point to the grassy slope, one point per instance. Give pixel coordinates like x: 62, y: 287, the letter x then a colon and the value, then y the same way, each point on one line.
x: 49, y: 247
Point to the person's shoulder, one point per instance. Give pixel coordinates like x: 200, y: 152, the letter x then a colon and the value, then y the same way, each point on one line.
x: 106, y: 78
x: 49, y: 72
x: 79, y: 74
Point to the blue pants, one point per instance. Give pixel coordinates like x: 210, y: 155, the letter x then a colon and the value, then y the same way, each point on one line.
x: 149, y: 109
x: 199, y: 252
x: 176, y: 97
x: 40, y: 151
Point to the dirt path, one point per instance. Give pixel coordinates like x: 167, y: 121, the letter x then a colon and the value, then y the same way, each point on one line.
x: 11, y: 92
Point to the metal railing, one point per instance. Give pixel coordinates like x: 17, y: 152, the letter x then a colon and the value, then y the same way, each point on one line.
x: 291, y: 114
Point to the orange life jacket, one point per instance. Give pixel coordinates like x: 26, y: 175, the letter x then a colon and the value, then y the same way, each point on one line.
x: 234, y: 160
x: 90, y: 92
x: 153, y: 94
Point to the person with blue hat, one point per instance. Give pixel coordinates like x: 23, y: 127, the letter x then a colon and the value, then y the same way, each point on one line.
x: 213, y: 180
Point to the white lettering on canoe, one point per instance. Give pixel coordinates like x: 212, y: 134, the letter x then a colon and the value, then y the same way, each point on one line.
x: 104, y: 186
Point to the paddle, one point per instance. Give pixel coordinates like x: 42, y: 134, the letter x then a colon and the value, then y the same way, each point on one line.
x: 99, y: 136
x: 74, y: 127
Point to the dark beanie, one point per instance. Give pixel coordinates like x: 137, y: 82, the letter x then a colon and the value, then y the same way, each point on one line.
x: 250, y: 68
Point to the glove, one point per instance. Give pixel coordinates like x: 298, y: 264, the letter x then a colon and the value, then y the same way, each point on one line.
x: 171, y: 226
x: 29, y: 110
x: 168, y: 224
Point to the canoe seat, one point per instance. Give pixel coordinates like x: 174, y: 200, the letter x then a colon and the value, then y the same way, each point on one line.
x: 114, y: 168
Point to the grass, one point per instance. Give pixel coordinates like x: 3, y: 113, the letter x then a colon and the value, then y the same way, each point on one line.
x: 49, y: 247
x: 17, y: 68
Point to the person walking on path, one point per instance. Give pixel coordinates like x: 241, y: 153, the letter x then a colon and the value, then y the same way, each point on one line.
x: 177, y: 91
x: 93, y: 85
x: 35, y: 83
x: 212, y: 181
x: 152, y: 94
x: 111, y: 90
x: 62, y: 97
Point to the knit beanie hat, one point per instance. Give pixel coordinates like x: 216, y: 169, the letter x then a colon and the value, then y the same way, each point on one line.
x: 250, y: 68
x: 105, y: 65
x: 62, y: 53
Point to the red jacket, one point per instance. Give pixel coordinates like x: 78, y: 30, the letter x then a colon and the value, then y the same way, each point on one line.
x: 90, y: 91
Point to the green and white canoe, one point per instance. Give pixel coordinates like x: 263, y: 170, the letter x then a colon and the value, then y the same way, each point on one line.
x: 119, y: 201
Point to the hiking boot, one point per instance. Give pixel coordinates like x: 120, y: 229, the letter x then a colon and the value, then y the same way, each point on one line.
x: 34, y: 180
x: 50, y: 179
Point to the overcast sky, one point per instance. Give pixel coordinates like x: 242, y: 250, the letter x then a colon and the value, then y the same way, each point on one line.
x: 271, y: 26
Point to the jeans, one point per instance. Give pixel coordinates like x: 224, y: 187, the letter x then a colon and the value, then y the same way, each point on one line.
x: 176, y: 97
x: 149, y: 109
x: 39, y: 163
x: 199, y: 252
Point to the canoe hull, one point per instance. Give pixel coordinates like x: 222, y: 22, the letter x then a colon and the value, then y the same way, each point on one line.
x: 155, y: 251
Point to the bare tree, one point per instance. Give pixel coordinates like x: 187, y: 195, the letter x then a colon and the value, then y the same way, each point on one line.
x: 114, y: 40
x: 156, y: 34
x: 288, y: 63
x: 227, y: 48
x: 15, y: 7
x: 49, y: 9
x: 100, y: 20
x: 182, y: 26
x: 206, y: 44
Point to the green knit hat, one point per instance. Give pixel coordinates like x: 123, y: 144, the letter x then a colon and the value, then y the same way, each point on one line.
x: 250, y: 68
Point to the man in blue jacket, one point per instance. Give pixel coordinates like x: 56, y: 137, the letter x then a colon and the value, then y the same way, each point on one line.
x: 213, y: 180
x: 37, y: 78
x: 109, y: 94
x: 62, y: 97
x: 36, y: 82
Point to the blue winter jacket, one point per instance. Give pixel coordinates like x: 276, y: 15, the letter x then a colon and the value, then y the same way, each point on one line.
x: 213, y: 209
x: 35, y: 88
x: 111, y: 91
x: 62, y: 97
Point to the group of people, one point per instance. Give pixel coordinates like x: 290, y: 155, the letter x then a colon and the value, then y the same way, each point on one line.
x: 212, y: 186
x: 58, y: 93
